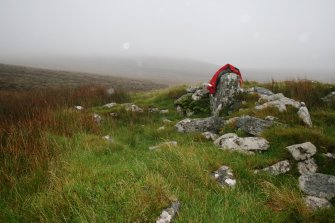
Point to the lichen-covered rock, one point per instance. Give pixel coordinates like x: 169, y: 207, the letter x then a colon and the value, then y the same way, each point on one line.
x: 318, y: 184
x: 307, y: 166
x: 302, y: 151
x: 252, y: 125
x: 304, y: 115
x: 317, y: 203
x: 212, y: 124
x: 277, y: 168
x: 224, y: 176
x: 167, y: 144
x: 169, y: 213
x: 278, y: 101
x: 231, y: 141
x: 210, y: 135
x: 227, y: 88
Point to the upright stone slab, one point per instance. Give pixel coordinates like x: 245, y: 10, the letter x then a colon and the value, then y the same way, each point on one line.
x: 226, y: 89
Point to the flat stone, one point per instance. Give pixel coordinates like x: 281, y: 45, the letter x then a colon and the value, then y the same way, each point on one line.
x: 307, y: 166
x: 211, y: 124
x: 318, y: 184
x: 169, y: 213
x: 277, y: 168
x: 252, y: 125
x: 317, y: 203
x: 210, y: 135
x: 302, y: 151
x: 224, y: 176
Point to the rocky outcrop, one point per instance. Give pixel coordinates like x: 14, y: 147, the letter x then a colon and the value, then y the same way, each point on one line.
x: 277, y: 168
x: 302, y: 151
x: 224, y: 176
x: 169, y: 213
x: 318, y: 184
x: 252, y: 125
x: 248, y: 145
x: 224, y: 97
x: 212, y: 124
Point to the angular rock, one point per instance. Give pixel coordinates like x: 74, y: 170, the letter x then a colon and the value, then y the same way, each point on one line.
x: 110, y: 105
x: 318, y: 184
x: 168, y: 144
x: 277, y: 168
x: 317, y: 203
x: 224, y: 176
x: 211, y: 124
x: 227, y: 88
x: 252, y: 125
x: 169, y: 213
x: 329, y: 98
x: 302, y: 151
x: 307, y: 166
x: 304, y: 115
x: 231, y: 141
x: 210, y: 135
x: 278, y: 101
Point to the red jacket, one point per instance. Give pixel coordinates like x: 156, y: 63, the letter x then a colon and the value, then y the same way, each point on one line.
x: 213, y: 82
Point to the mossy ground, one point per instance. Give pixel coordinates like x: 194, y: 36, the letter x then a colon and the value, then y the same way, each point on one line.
x: 88, y: 179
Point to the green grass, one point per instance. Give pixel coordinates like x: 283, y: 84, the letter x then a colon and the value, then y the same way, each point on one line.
x: 89, y: 179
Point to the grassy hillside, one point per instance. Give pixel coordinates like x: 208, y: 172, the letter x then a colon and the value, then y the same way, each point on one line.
x: 26, y: 78
x: 56, y: 167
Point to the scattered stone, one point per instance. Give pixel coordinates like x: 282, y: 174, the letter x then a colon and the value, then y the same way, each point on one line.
x: 329, y: 98
x: 329, y: 155
x: 318, y: 184
x: 97, y: 118
x: 110, y: 105
x: 78, y: 107
x: 154, y: 110
x: 210, y: 135
x: 165, y: 111
x: 226, y: 90
x: 252, y: 125
x: 170, y: 213
x: 132, y: 107
x: 271, y: 118
x: 108, y: 138
x: 317, y: 203
x: 114, y: 114
x: 168, y: 144
x: 211, y: 124
x: 224, y: 176
x: 198, y: 94
x: 161, y: 128
x: 307, y: 166
x: 277, y: 168
x: 231, y: 141
x: 302, y: 151
x: 166, y: 121
x: 304, y: 115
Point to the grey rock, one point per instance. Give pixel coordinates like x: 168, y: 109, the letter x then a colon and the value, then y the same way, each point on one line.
x: 318, y: 184
x: 231, y: 141
x: 179, y: 110
x: 132, y: 107
x: 210, y: 135
x: 329, y: 98
x: 304, y: 115
x: 307, y: 166
x: 260, y: 91
x: 329, y: 155
x: 79, y: 108
x: 164, y: 144
x: 277, y: 168
x: 169, y: 213
x: 198, y: 94
x: 278, y: 101
x: 227, y: 88
x: 271, y: 118
x: 252, y: 125
x: 110, y: 105
x: 211, y: 124
x: 224, y: 176
x: 302, y: 151
x: 317, y: 203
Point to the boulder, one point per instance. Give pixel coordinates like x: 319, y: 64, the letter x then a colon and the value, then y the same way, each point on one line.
x: 329, y: 98
x: 307, y: 166
x: 252, y: 125
x: 224, y: 176
x: 210, y: 135
x: 317, y: 203
x: 231, y: 141
x: 226, y: 90
x: 211, y: 124
x: 318, y: 184
x: 167, y: 144
x: 304, y: 115
x: 302, y: 151
x: 277, y: 168
x: 169, y: 213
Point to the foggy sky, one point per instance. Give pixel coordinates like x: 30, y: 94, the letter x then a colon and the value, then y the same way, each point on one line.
x: 267, y: 34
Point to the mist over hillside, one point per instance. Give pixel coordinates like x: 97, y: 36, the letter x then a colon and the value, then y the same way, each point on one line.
x: 164, y: 69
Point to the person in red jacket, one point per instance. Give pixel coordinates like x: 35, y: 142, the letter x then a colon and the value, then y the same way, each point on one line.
x: 228, y: 68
